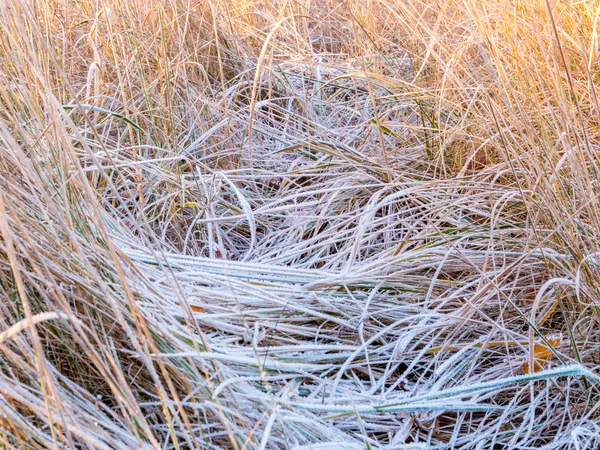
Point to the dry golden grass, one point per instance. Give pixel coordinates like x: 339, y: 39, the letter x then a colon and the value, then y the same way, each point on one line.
x: 306, y: 225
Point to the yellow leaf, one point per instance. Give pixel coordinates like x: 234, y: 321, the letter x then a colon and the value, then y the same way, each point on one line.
x: 541, y: 354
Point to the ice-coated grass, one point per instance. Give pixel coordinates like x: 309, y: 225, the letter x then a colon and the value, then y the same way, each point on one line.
x: 299, y: 225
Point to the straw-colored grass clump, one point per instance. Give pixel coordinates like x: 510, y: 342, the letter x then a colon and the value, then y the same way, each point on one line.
x: 299, y: 225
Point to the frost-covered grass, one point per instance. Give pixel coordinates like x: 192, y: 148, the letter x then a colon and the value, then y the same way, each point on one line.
x: 369, y: 224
